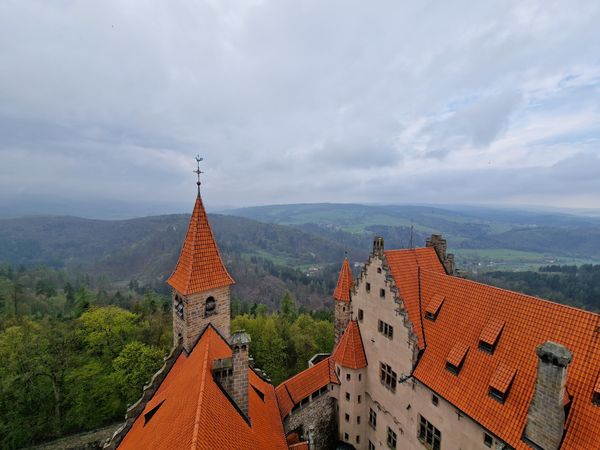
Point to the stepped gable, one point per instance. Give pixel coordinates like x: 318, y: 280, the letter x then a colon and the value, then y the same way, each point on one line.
x: 404, y: 266
x: 190, y: 411
x: 292, y: 391
x: 350, y: 352
x: 199, y: 267
x: 344, y: 283
x: 514, y: 324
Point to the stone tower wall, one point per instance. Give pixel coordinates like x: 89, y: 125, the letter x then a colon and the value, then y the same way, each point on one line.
x: 195, y: 317
x: 343, y: 314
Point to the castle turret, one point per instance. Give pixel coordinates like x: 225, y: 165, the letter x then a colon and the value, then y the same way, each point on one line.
x: 200, y: 282
x: 342, y: 299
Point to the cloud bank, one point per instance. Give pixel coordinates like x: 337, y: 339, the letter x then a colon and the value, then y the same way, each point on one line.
x: 349, y: 101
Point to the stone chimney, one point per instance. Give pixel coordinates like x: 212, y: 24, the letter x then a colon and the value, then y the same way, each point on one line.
x: 440, y: 246
x: 378, y: 246
x: 546, y: 416
x: 240, y: 342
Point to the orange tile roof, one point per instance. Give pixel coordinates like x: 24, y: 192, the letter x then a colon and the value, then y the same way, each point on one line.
x: 199, y: 267
x: 404, y: 266
x: 344, y: 283
x: 300, y: 446
x: 350, y: 351
x: 292, y: 391
x: 191, y: 403
x: 468, y: 309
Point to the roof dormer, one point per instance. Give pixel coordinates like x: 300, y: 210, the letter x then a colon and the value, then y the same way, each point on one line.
x: 501, y: 382
x: 434, y: 306
x: 456, y: 358
x: 488, y: 340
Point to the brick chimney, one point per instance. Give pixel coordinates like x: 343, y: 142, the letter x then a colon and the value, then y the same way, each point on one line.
x: 546, y: 416
x: 378, y: 246
x: 240, y: 342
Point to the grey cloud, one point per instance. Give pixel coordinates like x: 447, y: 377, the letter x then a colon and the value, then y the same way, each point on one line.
x: 287, y: 101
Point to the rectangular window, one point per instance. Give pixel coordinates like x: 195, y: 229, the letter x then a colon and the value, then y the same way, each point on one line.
x: 347, y: 417
x: 368, y: 286
x: 435, y: 399
x: 358, y: 398
x: 360, y: 315
x: 385, y: 329
x: 372, y: 418
x: 371, y: 446
x: 387, y: 376
x: 382, y: 293
x: 429, y: 435
x: 358, y: 420
x: 348, y: 377
x: 391, y: 438
x: 357, y: 439
x: 348, y: 396
x: 346, y: 437
x: 488, y: 440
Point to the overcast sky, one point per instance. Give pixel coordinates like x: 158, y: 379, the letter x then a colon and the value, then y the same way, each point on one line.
x: 107, y: 102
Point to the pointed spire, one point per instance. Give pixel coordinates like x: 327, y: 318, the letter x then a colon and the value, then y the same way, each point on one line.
x: 350, y: 352
x: 344, y: 284
x: 199, y: 267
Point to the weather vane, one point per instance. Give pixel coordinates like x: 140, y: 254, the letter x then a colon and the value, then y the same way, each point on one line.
x: 198, y: 171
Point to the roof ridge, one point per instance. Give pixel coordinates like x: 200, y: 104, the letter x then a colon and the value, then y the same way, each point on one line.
x: 496, y: 288
x: 200, y: 397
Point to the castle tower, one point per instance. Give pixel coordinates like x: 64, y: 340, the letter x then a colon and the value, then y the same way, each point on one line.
x: 201, y: 284
x: 341, y: 297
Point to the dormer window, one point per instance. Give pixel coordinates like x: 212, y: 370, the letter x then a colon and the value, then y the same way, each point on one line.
x: 490, y: 335
x: 151, y: 413
x: 596, y: 393
x: 211, y: 306
x: 456, y: 358
x: 434, y: 306
x: 178, y: 305
x: 501, y: 382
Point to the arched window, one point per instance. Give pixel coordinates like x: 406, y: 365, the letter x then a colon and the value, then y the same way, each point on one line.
x: 211, y: 306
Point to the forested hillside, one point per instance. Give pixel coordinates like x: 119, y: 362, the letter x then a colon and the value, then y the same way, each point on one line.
x: 75, y: 354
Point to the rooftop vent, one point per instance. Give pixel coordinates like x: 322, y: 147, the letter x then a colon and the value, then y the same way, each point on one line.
x: 488, y: 340
x: 456, y: 358
x: 501, y: 382
x: 434, y: 306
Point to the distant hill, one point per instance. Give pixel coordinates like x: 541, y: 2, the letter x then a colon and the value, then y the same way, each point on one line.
x: 481, y: 237
x: 265, y: 259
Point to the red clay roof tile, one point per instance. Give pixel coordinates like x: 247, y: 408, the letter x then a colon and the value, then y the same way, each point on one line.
x: 404, y: 266
x: 434, y: 304
x: 292, y: 391
x: 199, y: 267
x: 491, y: 331
x: 192, y: 403
x: 350, y: 351
x: 528, y: 322
x: 457, y: 354
x: 344, y: 283
x: 502, y: 378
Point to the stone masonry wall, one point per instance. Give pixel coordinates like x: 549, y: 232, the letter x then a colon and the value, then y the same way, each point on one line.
x: 195, y: 318
x: 317, y: 418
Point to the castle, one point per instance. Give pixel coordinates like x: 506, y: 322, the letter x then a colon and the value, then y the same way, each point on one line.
x: 423, y: 360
